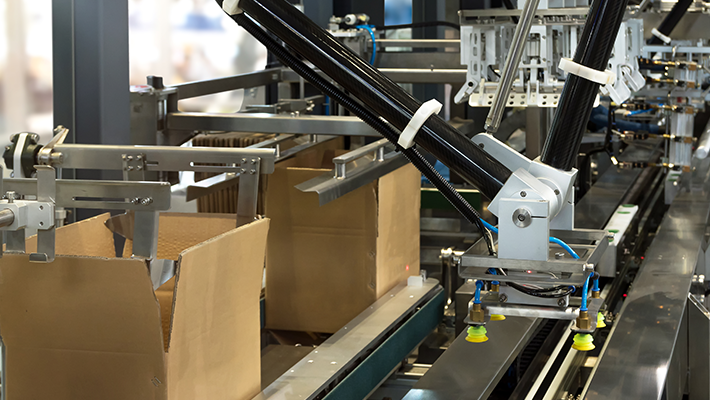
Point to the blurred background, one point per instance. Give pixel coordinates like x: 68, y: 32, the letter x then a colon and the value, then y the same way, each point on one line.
x: 196, y: 42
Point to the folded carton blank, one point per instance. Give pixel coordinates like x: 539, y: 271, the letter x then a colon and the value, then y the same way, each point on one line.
x: 89, y: 326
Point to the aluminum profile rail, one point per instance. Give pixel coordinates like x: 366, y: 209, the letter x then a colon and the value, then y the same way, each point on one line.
x: 637, y: 359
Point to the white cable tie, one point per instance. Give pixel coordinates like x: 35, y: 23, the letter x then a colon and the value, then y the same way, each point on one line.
x: 431, y: 107
x: 590, y: 74
x: 665, y: 39
x: 231, y: 7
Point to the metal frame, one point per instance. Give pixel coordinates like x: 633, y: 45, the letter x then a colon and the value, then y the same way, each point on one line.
x: 334, y: 361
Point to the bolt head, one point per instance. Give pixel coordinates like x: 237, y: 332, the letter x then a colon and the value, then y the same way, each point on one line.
x: 147, y: 201
x: 523, y: 194
x: 562, y: 302
x: 503, y: 298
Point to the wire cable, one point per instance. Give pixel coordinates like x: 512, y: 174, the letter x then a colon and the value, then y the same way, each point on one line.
x: 368, y: 28
x: 554, y: 240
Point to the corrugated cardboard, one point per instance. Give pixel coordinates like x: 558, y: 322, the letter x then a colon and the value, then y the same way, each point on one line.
x: 327, y: 264
x: 225, y: 200
x: 90, y: 328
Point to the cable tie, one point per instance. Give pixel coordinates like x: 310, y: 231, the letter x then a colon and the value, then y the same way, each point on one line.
x: 431, y: 107
x: 665, y: 39
x: 231, y: 7
x: 590, y: 74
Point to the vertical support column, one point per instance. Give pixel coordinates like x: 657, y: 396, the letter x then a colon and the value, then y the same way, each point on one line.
x: 91, y: 76
x: 536, y: 127
x: 698, y: 350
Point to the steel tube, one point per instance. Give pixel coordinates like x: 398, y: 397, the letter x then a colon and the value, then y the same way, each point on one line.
x: 512, y: 63
x: 7, y: 217
x: 378, y: 92
x: 579, y: 94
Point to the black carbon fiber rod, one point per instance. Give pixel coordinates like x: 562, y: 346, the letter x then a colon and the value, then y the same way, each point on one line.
x: 671, y: 21
x: 578, y: 95
x: 446, y: 189
x: 378, y: 92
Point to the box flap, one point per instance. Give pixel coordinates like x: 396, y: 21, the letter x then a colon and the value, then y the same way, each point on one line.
x: 398, y: 227
x: 80, y: 328
x: 178, y: 232
x: 214, y: 350
x: 89, y: 237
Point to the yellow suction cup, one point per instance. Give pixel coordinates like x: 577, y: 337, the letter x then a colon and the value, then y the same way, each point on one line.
x: 496, y: 317
x: 477, y: 334
x: 583, y: 342
x: 600, y: 321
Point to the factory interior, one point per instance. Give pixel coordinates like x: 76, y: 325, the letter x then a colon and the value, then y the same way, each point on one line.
x: 355, y: 200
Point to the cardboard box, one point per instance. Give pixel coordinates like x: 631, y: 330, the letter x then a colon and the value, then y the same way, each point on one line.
x: 325, y: 265
x: 225, y: 200
x: 88, y: 325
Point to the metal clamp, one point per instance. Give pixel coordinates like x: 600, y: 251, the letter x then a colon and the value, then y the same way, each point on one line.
x: 341, y: 162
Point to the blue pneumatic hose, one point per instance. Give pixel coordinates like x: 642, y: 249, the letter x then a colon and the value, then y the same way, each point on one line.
x: 585, y: 291
x: 370, y: 28
x: 477, y: 296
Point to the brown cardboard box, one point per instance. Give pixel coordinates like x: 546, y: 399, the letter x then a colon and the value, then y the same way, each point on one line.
x: 88, y: 326
x: 325, y: 265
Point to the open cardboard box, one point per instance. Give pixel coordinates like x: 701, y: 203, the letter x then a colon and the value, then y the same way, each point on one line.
x: 325, y: 265
x: 89, y: 326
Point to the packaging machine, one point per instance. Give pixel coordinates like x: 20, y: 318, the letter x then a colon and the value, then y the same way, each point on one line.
x: 594, y: 294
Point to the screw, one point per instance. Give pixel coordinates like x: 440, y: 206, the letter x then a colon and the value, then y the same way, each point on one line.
x: 123, y: 157
x: 559, y: 255
x: 253, y: 162
x: 481, y: 145
x: 253, y: 171
x: 244, y: 160
x: 523, y: 194
x: 147, y: 201
x: 130, y: 168
x: 11, y: 196
x: 138, y: 168
x: 136, y: 201
x: 243, y: 170
x: 562, y: 302
x: 503, y: 298
x: 521, y: 218
x: 129, y: 158
x: 557, y: 192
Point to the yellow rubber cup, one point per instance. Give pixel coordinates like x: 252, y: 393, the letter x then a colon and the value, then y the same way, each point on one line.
x: 600, y: 321
x: 477, y: 334
x: 583, y: 342
x: 496, y: 317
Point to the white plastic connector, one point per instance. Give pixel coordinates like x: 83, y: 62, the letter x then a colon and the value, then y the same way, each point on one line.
x: 431, y: 107
x: 231, y: 7
x: 591, y: 74
x: 415, y: 281
x: 665, y: 39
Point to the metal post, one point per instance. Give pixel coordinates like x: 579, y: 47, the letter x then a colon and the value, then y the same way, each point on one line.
x: 248, y: 192
x: 91, y: 75
x: 512, y: 63
x: 536, y: 127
